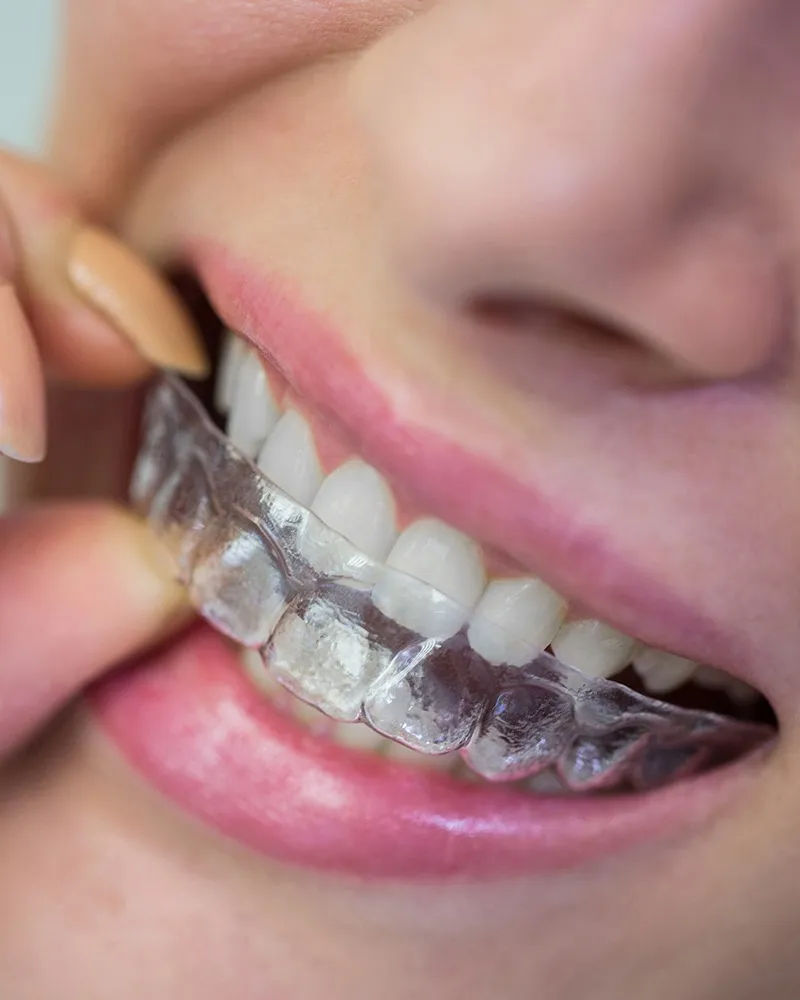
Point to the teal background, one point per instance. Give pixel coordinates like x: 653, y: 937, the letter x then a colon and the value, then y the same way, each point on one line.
x: 27, y: 56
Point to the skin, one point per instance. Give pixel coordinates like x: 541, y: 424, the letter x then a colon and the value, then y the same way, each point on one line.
x: 465, y: 169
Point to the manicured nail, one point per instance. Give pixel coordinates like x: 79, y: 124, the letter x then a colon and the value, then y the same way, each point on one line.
x: 23, y: 425
x: 136, y: 300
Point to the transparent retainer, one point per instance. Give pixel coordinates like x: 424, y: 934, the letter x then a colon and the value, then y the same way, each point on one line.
x: 268, y: 573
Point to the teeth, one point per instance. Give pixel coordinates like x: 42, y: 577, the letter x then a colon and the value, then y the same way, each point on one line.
x: 405, y: 755
x: 662, y: 672
x: 254, y: 412
x: 259, y: 675
x: 356, y: 736
x: 289, y: 458
x: 356, y: 501
x: 431, y: 551
x: 235, y: 543
x: 593, y: 647
x: 717, y: 680
x: 233, y: 353
x: 710, y: 678
x: 512, y: 616
x: 311, y: 717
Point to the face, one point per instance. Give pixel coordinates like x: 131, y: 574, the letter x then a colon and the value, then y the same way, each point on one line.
x: 522, y: 283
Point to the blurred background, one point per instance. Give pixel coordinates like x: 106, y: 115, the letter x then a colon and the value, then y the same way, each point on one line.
x: 27, y: 53
x: 27, y: 48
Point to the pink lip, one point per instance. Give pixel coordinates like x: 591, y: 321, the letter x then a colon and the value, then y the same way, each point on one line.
x: 445, y: 479
x: 197, y: 729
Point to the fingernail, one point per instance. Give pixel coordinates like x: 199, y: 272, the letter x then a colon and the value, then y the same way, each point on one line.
x: 136, y: 300
x: 23, y: 427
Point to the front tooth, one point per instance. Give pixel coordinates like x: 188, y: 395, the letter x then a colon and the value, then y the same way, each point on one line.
x: 662, y: 672
x: 514, y: 618
x: 253, y: 412
x: 593, y: 647
x: 233, y: 353
x: 289, y: 458
x: 436, y: 554
x: 356, y: 501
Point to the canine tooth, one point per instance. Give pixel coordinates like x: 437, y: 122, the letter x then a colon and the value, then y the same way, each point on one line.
x: 445, y: 559
x: 512, y: 616
x: 593, y: 647
x: 662, y: 672
x: 232, y: 355
x: 254, y: 412
x: 357, y: 736
x: 356, y: 501
x: 289, y: 458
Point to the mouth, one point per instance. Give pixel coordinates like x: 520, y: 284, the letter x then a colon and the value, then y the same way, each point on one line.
x: 375, y: 629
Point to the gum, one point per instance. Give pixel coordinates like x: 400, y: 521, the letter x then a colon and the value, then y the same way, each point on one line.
x: 266, y: 572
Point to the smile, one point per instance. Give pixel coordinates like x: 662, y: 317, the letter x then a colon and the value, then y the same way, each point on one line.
x: 390, y: 635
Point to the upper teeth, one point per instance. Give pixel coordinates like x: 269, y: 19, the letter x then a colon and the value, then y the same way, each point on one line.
x: 357, y: 502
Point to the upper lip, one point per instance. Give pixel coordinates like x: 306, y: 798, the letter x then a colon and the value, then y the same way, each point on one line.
x: 467, y: 490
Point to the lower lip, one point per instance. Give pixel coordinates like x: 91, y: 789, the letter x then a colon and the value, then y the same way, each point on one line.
x: 195, y: 727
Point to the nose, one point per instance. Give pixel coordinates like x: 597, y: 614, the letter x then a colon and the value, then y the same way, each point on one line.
x: 618, y: 159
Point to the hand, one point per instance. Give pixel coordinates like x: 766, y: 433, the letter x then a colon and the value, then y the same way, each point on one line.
x: 82, y: 585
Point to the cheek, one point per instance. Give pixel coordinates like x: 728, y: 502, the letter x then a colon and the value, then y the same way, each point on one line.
x: 134, y: 74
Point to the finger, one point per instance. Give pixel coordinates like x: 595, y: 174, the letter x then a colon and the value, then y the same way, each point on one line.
x: 82, y: 588
x: 101, y: 315
x: 22, y: 393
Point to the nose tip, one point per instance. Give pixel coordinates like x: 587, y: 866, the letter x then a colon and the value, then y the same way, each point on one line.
x: 573, y: 169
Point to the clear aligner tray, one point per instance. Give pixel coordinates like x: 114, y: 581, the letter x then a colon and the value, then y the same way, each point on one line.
x: 268, y: 573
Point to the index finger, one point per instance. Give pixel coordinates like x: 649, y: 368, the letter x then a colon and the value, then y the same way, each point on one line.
x: 101, y: 315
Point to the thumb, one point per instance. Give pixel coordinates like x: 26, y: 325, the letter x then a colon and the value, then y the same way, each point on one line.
x: 82, y: 587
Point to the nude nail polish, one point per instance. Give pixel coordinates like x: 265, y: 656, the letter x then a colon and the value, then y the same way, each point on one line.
x: 126, y: 290
x: 23, y: 428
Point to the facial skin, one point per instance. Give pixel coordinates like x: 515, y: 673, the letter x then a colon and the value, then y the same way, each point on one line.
x: 440, y: 180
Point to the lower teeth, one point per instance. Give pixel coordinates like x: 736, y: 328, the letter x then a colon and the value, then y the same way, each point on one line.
x: 357, y: 737
x: 242, y: 547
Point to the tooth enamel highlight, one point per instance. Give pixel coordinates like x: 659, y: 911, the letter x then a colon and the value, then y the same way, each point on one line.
x: 289, y: 458
x: 356, y: 501
x: 254, y: 412
x: 431, y: 551
x: 662, y: 672
x: 232, y: 355
x: 593, y: 647
x: 512, y: 616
